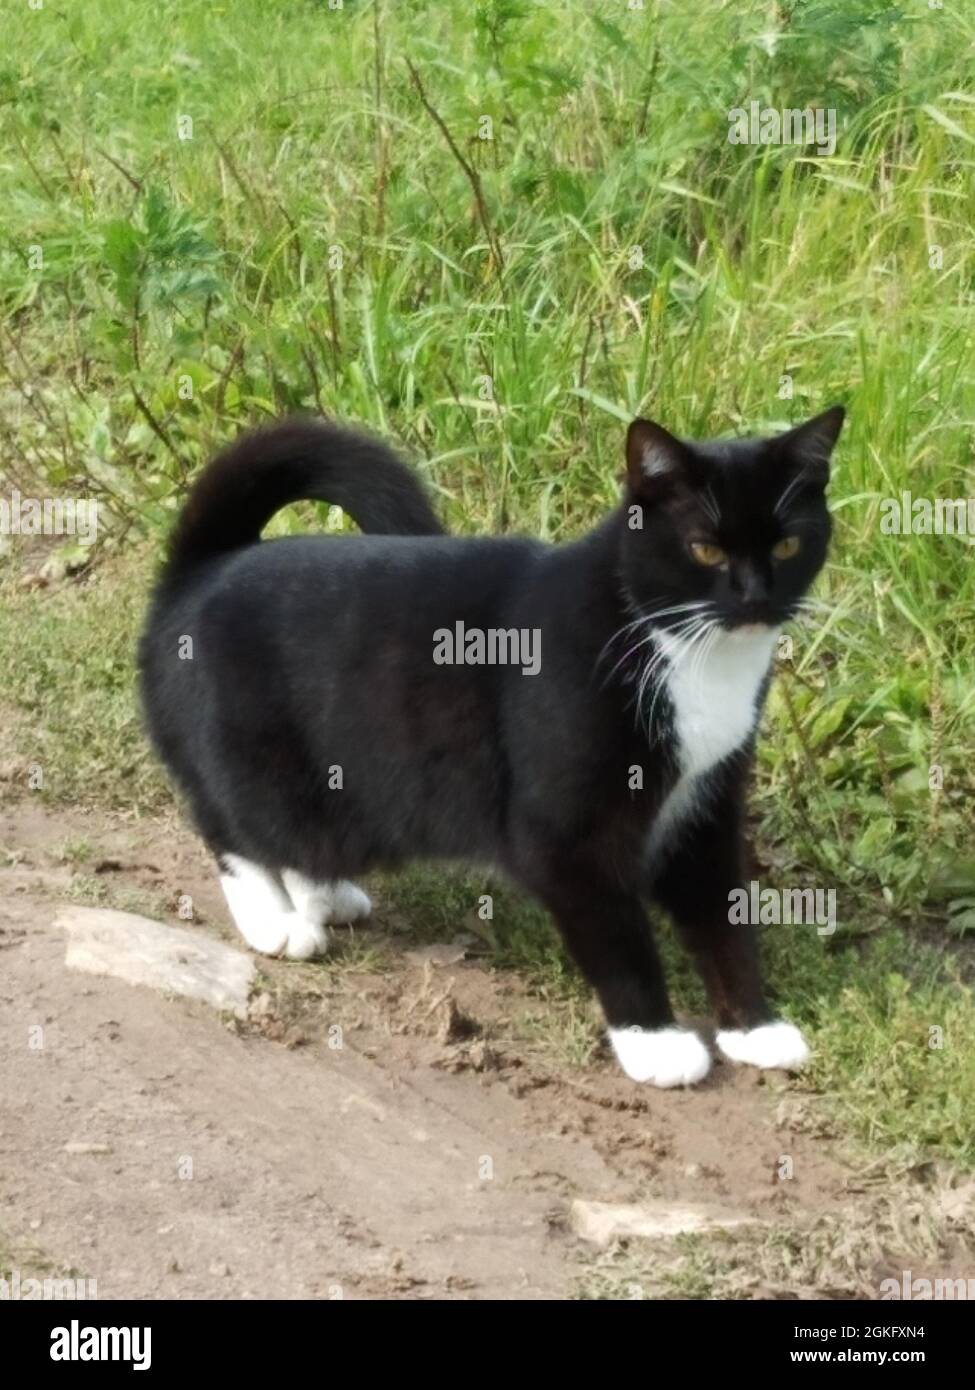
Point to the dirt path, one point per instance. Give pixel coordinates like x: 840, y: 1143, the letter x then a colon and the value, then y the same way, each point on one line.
x: 435, y: 1153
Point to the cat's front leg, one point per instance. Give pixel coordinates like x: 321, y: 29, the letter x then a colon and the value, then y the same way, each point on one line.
x: 695, y: 886
x: 609, y: 936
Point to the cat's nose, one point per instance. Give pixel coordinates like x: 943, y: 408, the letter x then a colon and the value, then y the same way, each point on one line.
x: 750, y: 584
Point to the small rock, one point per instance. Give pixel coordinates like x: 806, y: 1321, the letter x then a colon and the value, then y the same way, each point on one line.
x: 603, y: 1222
x: 176, y: 960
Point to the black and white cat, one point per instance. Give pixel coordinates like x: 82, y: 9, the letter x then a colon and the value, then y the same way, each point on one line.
x: 295, y: 692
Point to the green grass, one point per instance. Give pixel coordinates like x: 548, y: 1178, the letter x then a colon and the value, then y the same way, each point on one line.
x: 501, y: 308
x: 841, y: 1255
x: 67, y: 693
x: 28, y: 1261
x: 220, y: 269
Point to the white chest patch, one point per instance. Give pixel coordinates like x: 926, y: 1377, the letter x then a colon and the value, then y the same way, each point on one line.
x: 715, y: 703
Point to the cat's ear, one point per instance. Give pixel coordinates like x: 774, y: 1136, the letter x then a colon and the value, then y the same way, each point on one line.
x: 655, y: 459
x: 809, y: 446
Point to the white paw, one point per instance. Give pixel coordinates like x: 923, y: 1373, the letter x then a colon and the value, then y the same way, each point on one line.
x: 310, y: 899
x: 664, y: 1057
x: 349, y: 903
x: 341, y: 901
x: 268, y: 935
x: 305, y: 939
x: 257, y: 908
x: 770, y: 1045
x: 264, y: 914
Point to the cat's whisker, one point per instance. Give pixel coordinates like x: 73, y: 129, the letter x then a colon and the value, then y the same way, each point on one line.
x: 655, y: 609
x: 651, y: 635
x: 660, y: 656
x: 699, y: 643
x: 706, y: 648
x: 653, y: 615
x: 658, y: 687
x: 653, y: 664
x: 815, y: 614
x: 626, y: 655
x: 649, y: 617
x: 642, y: 643
x: 627, y: 627
x: 687, y: 643
x: 673, y: 662
x: 709, y: 503
x: 810, y: 605
x: 788, y: 492
x: 697, y: 648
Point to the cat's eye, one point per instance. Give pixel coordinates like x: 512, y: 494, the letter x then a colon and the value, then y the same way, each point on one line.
x: 706, y: 554
x: 785, y: 548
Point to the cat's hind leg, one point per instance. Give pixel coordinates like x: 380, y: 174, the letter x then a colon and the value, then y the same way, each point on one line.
x: 349, y: 902
x: 322, y: 901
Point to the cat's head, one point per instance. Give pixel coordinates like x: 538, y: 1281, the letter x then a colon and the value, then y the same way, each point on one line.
x: 739, y: 529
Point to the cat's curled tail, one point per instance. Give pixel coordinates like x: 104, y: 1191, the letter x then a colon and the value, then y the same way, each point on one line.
x: 295, y: 460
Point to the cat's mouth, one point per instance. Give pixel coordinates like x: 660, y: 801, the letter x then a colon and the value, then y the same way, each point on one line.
x: 751, y: 618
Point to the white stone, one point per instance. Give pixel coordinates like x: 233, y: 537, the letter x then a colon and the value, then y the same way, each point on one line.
x: 603, y: 1222
x: 175, y: 960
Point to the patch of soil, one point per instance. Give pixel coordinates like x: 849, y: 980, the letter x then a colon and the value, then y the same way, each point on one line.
x: 390, y: 1132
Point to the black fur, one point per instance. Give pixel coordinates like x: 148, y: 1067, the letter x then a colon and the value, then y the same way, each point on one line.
x: 311, y: 653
